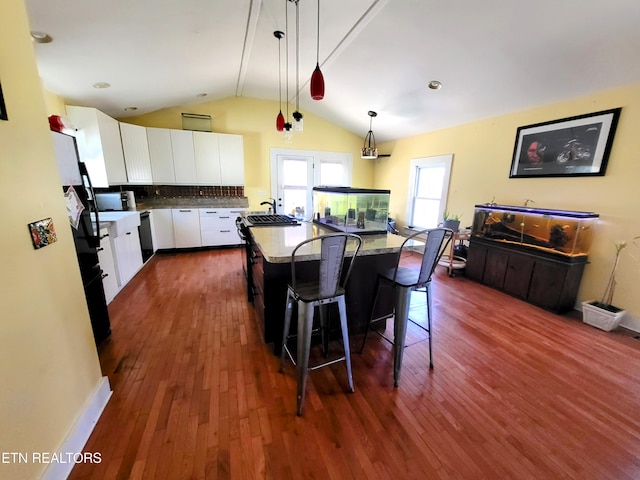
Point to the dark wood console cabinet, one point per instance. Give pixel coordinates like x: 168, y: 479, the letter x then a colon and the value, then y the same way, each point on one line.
x: 543, y: 279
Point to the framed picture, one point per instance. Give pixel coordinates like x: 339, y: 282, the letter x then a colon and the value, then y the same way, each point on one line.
x: 3, y: 109
x: 570, y: 147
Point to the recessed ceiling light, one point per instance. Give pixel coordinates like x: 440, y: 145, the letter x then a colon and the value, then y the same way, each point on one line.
x: 41, y: 37
x: 101, y: 85
x: 435, y: 85
x: 130, y: 109
x: 201, y: 95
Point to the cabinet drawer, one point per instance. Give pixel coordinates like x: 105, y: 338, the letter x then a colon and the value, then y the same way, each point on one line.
x: 220, y: 237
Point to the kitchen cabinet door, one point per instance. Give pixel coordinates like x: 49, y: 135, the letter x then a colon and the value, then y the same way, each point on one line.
x: 186, y: 227
x: 107, y: 264
x: 164, y: 236
x: 128, y: 255
x: 136, y: 153
x: 99, y: 146
x: 184, y: 157
x: 207, y: 153
x: 231, y: 159
x: 161, y: 155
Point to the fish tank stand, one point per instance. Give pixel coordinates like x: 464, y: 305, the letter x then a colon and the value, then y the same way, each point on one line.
x: 541, y: 263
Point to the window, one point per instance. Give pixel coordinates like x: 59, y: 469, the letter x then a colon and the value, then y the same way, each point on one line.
x: 428, y: 189
x: 295, y: 172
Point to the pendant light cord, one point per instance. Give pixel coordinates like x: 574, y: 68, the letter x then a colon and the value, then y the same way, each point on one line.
x: 286, y: 29
x: 297, y: 57
x: 280, y: 70
x: 318, y: 37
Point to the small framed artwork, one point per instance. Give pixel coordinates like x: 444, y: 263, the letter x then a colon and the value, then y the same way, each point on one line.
x: 42, y: 233
x: 3, y: 109
x: 570, y: 147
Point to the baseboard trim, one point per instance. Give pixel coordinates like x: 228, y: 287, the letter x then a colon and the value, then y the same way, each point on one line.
x: 77, y: 438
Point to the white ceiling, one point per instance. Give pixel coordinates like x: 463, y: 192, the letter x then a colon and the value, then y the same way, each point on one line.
x: 493, y: 57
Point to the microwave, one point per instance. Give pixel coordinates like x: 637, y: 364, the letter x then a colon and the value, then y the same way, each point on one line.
x: 116, y: 201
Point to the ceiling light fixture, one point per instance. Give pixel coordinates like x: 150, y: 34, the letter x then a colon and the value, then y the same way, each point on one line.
x: 297, y: 116
x: 369, y: 149
x: 435, y: 85
x: 41, y: 37
x: 280, y: 118
x: 317, y: 79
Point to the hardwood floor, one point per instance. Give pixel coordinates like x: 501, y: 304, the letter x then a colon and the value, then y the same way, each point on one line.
x: 516, y: 392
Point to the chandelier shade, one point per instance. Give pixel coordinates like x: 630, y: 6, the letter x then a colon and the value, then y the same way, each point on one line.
x: 369, y: 149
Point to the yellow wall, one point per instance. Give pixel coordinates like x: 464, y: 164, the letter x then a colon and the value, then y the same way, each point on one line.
x: 48, y: 361
x: 482, y: 158
x: 256, y: 120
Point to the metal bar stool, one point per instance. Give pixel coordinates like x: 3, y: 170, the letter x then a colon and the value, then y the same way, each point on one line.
x: 405, y: 280
x: 327, y: 286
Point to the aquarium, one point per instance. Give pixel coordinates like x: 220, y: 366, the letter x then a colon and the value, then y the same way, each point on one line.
x: 563, y: 232
x: 351, y: 210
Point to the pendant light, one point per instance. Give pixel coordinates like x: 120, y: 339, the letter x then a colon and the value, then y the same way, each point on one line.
x: 369, y: 149
x: 297, y: 116
x: 280, y: 118
x: 317, y: 79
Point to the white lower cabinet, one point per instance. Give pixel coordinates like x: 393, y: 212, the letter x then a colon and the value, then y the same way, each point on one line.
x: 218, y: 226
x: 186, y: 227
x: 164, y: 237
x: 128, y: 255
x: 107, y: 264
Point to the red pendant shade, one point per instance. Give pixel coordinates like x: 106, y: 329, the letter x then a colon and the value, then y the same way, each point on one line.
x: 280, y: 122
x: 317, y: 84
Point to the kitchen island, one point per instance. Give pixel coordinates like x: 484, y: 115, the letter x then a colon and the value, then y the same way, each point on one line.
x: 268, y: 269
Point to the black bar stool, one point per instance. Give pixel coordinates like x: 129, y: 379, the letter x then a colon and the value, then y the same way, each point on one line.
x: 327, y: 287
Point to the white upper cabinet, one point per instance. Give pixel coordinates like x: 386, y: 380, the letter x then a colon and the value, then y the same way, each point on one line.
x: 184, y: 158
x: 160, y: 153
x: 207, y: 152
x: 219, y: 158
x: 99, y: 145
x: 136, y: 153
x: 231, y: 159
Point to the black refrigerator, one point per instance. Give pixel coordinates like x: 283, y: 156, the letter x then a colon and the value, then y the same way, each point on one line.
x: 85, y: 225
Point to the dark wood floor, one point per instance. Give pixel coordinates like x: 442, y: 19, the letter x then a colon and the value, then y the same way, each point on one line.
x: 516, y: 393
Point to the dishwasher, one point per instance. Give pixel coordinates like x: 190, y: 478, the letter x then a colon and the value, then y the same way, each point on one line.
x: 146, y: 241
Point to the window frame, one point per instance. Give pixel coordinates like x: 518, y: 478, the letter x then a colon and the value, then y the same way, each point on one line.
x: 426, y: 162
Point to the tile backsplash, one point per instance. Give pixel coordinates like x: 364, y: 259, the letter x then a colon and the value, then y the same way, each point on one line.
x: 178, y: 191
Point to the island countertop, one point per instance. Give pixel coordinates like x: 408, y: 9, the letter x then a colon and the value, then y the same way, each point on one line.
x: 277, y: 243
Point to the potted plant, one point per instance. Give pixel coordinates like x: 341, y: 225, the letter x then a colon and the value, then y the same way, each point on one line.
x: 603, y: 314
x: 451, y: 221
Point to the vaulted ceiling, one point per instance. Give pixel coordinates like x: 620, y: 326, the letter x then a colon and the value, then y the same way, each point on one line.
x: 492, y: 57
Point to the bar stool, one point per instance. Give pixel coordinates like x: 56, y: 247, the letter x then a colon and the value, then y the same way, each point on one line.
x: 326, y: 286
x: 405, y: 280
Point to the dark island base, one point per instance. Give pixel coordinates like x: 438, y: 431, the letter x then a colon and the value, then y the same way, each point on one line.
x: 267, y: 289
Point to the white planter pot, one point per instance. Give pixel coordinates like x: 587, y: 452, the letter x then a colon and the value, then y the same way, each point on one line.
x: 601, y: 318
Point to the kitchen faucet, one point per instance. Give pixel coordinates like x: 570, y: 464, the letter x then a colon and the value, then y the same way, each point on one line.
x: 272, y: 205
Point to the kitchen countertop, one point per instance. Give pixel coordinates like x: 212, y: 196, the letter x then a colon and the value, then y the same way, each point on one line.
x: 277, y: 243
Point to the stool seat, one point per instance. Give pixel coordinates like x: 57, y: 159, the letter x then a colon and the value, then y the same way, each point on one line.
x: 328, y: 286
x: 404, y: 280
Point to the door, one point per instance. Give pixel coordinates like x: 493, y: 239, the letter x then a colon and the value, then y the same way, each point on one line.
x: 294, y: 173
x: 295, y: 180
